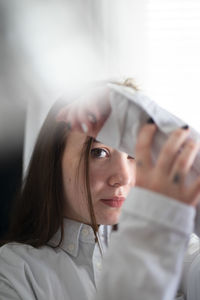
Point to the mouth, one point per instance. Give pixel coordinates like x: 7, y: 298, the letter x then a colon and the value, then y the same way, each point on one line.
x: 116, y: 202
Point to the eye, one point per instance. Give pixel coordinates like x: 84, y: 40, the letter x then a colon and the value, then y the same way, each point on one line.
x: 99, y: 153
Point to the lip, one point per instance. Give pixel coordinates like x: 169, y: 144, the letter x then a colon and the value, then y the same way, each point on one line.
x: 114, y: 202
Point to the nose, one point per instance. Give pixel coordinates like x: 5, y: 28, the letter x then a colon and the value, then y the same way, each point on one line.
x: 120, y: 171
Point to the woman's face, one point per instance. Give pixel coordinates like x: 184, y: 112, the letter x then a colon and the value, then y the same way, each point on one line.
x: 112, y: 174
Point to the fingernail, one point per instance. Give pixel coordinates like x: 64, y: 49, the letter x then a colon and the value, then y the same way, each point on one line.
x: 115, y: 227
x: 92, y: 118
x: 150, y: 121
x: 84, y: 127
x: 185, y: 127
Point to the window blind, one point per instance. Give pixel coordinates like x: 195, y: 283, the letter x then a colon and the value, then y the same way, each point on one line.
x: 173, y: 56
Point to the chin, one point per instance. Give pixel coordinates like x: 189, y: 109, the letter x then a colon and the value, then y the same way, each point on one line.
x: 109, y: 220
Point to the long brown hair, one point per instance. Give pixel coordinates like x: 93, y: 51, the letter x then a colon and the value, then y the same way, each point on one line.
x: 38, y: 210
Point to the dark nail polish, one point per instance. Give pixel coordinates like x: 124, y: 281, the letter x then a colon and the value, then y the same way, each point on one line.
x: 115, y: 227
x: 150, y: 121
x: 185, y: 127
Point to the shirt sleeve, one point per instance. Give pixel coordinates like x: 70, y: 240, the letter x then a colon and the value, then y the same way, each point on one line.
x: 145, y: 257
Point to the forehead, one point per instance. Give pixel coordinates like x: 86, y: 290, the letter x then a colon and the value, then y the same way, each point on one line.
x: 76, y: 141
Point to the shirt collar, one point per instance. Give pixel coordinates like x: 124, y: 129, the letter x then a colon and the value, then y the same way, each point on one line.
x: 73, y: 232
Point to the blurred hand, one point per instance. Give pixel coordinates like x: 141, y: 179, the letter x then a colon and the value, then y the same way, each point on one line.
x: 167, y: 176
x: 87, y: 114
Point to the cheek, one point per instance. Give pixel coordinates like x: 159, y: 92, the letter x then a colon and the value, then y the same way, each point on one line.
x: 68, y: 181
x: 68, y: 178
x: 72, y: 183
x: 97, y: 178
x: 132, y: 172
x: 133, y: 179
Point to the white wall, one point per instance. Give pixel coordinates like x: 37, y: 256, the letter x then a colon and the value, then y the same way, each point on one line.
x: 62, y: 43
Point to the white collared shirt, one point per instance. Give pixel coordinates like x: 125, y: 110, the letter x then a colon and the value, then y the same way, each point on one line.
x: 67, y: 272
x: 144, y: 261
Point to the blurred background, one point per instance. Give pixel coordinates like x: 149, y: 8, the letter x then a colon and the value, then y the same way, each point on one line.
x: 48, y: 47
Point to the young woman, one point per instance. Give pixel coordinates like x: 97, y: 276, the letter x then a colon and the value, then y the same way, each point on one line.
x: 74, y: 189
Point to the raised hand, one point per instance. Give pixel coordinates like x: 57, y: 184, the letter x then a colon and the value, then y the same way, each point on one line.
x: 87, y: 114
x: 168, y: 175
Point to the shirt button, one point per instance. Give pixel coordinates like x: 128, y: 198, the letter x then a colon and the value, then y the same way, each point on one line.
x: 85, y: 232
x: 70, y: 247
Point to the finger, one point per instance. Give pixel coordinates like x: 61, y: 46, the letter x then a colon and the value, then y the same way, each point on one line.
x: 92, y: 119
x: 144, y: 145
x: 194, y: 193
x: 88, y: 122
x: 88, y: 114
x: 185, y: 159
x: 171, y: 148
x: 68, y: 114
x: 98, y: 103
